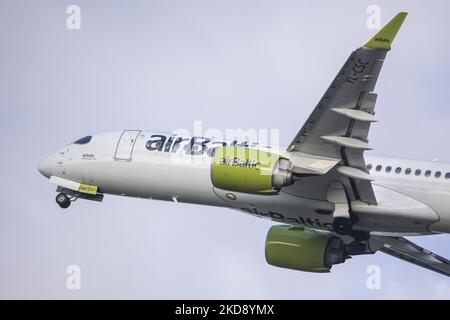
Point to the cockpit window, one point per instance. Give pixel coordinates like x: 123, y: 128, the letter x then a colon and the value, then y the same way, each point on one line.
x: 83, y: 140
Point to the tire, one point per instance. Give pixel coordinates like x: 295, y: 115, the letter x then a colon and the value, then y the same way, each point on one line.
x: 65, y: 206
x: 63, y: 200
x: 342, y: 226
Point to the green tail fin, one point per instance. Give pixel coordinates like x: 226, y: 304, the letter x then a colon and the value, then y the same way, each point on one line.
x: 384, y: 38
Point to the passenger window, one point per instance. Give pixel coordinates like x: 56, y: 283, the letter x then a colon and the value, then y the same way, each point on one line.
x: 437, y: 174
x: 418, y: 172
x: 447, y: 175
x: 378, y: 168
x: 427, y: 173
x: 398, y: 170
x: 408, y: 171
x: 369, y: 166
x: 388, y: 169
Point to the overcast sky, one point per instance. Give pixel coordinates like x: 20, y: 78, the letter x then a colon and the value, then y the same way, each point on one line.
x: 161, y: 65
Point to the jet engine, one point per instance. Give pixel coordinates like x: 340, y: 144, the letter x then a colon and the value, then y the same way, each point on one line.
x: 296, y: 248
x: 249, y: 170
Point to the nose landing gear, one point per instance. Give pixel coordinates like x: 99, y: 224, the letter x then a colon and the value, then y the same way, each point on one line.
x: 66, y: 196
x: 63, y: 200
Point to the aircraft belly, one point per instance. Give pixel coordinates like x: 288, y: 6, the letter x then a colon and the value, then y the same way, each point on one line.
x: 156, y: 178
x: 282, y: 207
x: 435, y: 196
x: 394, y: 212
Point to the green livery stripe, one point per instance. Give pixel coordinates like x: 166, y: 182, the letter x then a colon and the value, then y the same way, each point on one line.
x: 88, y: 189
x: 384, y: 38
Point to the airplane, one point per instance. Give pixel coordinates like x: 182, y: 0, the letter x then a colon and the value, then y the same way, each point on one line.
x: 330, y: 200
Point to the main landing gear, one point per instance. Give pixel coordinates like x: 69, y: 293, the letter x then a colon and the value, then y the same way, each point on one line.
x: 63, y: 200
x: 342, y: 219
x: 342, y: 225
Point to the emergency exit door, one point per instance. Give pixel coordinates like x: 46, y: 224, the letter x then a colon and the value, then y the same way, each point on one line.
x: 126, y: 144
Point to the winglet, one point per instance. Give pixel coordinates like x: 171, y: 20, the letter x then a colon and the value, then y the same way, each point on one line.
x: 384, y: 38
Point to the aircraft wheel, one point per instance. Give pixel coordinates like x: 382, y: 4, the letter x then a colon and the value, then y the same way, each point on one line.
x: 63, y: 200
x: 342, y: 226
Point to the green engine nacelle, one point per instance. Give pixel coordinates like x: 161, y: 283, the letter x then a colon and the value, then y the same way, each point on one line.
x: 298, y: 249
x: 249, y: 170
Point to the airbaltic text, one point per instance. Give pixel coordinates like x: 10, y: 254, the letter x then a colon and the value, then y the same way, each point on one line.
x: 192, y: 145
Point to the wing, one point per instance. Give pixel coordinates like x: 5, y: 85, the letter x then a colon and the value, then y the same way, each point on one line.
x: 408, y: 251
x: 339, y: 125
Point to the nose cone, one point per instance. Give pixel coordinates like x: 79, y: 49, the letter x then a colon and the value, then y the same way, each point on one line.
x: 45, y: 167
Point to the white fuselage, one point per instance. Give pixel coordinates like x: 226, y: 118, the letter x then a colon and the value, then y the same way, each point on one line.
x: 152, y: 165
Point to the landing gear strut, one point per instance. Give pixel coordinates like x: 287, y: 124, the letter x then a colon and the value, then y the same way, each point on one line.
x: 66, y: 196
x: 63, y: 200
x: 342, y: 223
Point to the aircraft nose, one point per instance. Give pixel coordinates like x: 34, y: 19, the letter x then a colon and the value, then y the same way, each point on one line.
x: 45, y: 167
